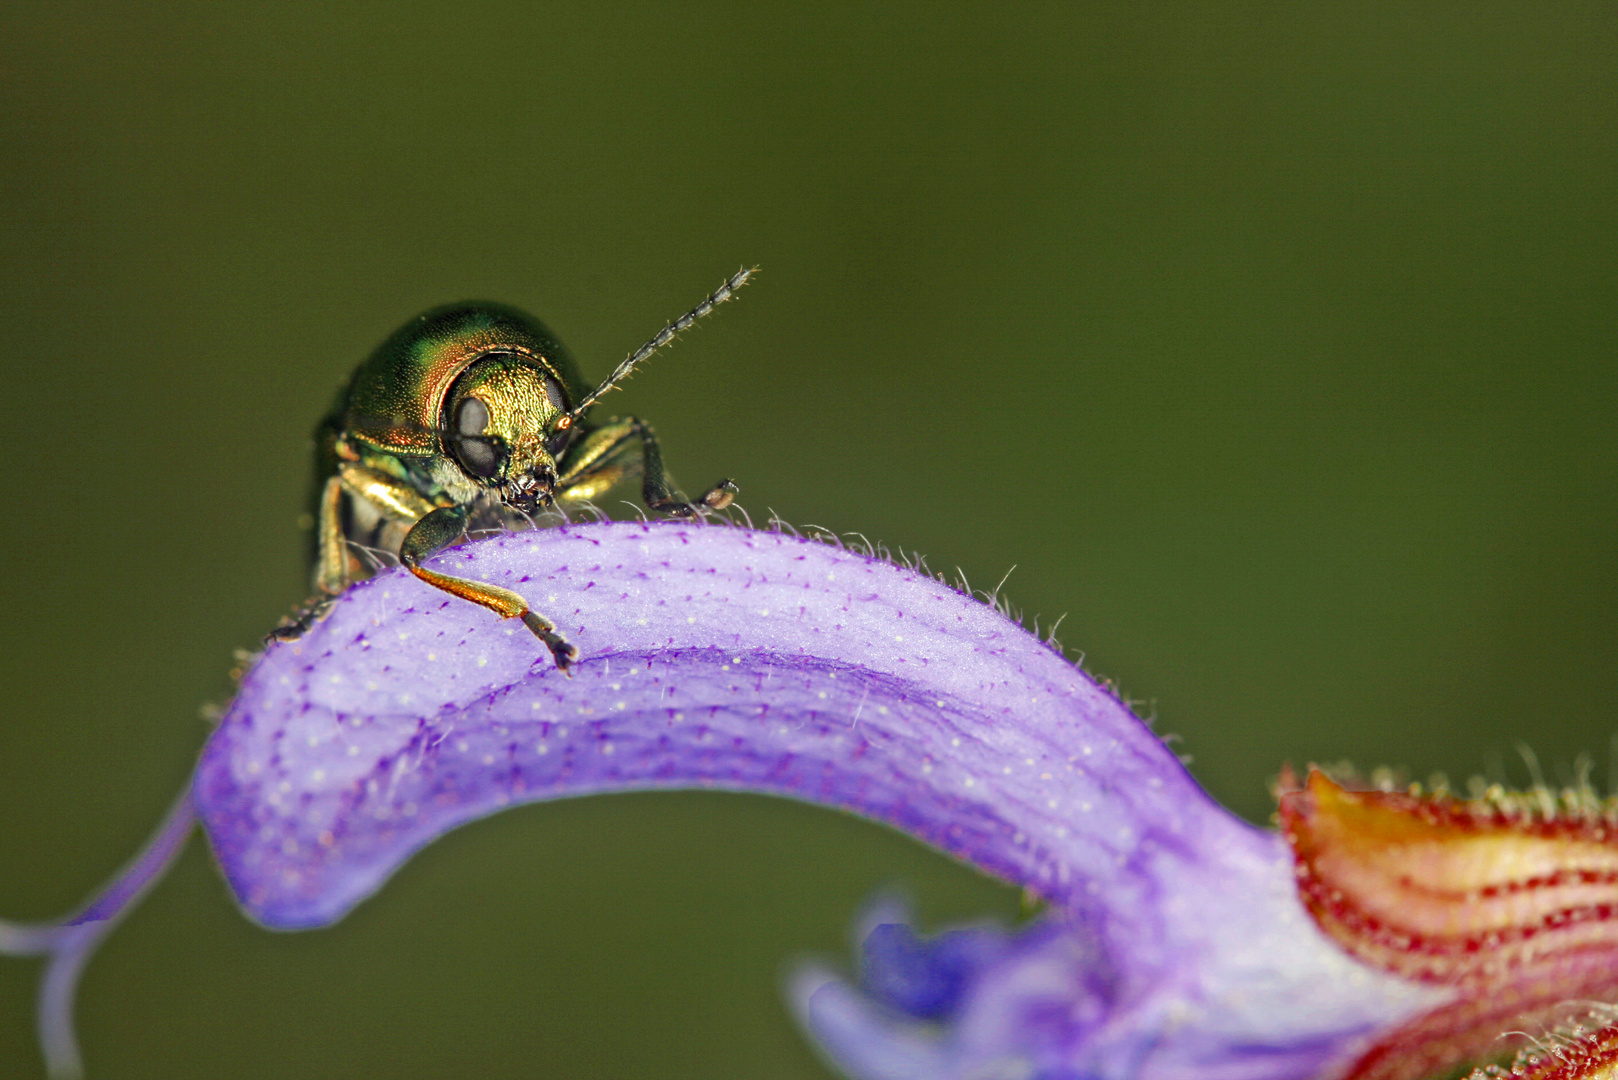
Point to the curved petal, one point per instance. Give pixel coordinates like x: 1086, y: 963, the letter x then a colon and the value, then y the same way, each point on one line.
x: 724, y: 658
x: 711, y: 657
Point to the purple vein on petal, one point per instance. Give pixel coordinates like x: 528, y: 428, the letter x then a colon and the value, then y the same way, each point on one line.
x: 729, y: 659
x: 711, y: 658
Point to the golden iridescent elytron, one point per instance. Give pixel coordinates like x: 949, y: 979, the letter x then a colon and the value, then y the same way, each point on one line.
x: 475, y: 416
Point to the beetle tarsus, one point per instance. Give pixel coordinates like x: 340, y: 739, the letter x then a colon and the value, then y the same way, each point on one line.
x: 564, y: 652
x: 295, y: 625
x: 721, y: 494
x: 717, y: 497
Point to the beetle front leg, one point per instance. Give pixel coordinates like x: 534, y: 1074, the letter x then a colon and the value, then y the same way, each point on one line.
x: 439, y: 530
x: 655, y: 488
x: 331, y: 565
x: 600, y: 456
x: 331, y: 551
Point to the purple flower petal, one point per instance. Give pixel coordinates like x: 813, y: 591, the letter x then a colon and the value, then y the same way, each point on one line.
x: 750, y: 661
x: 927, y: 978
x: 711, y: 657
x: 723, y: 658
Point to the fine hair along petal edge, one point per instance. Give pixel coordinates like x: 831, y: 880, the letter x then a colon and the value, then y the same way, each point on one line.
x: 734, y: 659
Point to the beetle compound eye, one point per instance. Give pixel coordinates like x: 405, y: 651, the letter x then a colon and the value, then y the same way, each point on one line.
x: 553, y: 390
x: 478, y: 455
x: 472, y: 417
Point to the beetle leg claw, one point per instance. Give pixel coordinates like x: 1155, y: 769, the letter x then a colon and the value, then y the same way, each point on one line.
x: 295, y: 625
x: 563, y: 651
x: 720, y: 495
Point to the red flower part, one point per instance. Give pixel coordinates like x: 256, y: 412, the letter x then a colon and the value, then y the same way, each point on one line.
x: 1510, y: 899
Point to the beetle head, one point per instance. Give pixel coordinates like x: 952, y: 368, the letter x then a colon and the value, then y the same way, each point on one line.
x: 499, y: 419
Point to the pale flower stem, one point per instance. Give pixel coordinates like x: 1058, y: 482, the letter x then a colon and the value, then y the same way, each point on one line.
x: 69, y: 943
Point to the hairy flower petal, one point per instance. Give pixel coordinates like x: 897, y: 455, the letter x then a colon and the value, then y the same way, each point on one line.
x: 711, y: 657
x: 1175, y: 944
x: 724, y: 658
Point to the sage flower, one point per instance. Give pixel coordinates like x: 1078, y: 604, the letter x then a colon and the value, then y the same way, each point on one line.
x: 1173, y: 941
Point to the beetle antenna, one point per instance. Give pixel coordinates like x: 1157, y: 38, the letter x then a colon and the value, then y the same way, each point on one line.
x: 664, y: 336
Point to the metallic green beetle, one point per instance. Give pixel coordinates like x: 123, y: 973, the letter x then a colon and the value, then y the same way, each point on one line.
x: 474, y: 416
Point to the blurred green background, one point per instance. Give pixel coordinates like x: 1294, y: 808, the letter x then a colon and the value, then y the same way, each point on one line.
x: 1272, y: 342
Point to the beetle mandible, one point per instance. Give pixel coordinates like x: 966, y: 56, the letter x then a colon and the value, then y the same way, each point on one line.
x: 474, y: 414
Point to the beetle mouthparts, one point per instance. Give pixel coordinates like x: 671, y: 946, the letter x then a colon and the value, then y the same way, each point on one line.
x: 528, y: 491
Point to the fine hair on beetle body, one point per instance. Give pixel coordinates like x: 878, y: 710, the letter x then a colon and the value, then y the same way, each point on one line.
x: 471, y: 417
